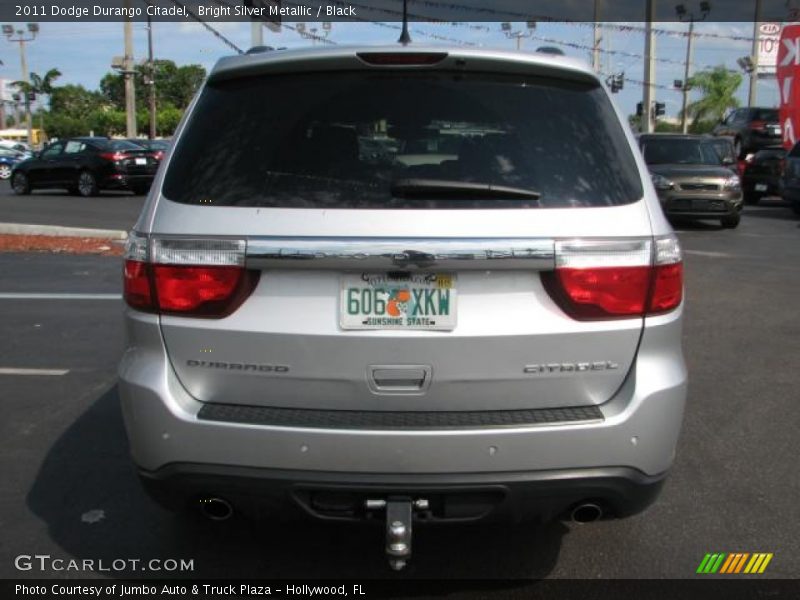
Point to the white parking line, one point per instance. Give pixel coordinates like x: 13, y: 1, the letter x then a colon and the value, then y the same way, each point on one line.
x: 32, y: 296
x: 47, y: 372
x: 711, y: 254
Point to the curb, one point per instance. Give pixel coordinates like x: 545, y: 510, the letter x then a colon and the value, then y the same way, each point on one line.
x: 59, y: 231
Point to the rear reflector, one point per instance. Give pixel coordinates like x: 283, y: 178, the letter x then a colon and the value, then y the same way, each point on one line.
x: 187, y: 277
x: 402, y: 58
x: 609, y: 279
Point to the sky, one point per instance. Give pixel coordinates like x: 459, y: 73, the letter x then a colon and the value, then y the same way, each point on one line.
x: 83, y: 51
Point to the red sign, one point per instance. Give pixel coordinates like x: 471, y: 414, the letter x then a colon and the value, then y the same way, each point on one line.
x: 788, y: 72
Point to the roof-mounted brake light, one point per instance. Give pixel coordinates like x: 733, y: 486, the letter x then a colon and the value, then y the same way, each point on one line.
x: 402, y: 59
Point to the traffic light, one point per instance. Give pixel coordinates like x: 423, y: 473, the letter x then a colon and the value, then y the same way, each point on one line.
x: 31, y: 97
x: 639, y: 109
x: 616, y: 82
x: 660, y: 108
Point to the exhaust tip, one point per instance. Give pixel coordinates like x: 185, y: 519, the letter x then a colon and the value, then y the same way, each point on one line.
x: 216, y: 509
x: 587, y: 512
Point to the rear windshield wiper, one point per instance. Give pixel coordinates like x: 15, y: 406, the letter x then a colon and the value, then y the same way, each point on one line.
x: 443, y: 188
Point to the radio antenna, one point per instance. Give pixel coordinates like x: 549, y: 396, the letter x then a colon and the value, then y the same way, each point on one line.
x: 405, y: 38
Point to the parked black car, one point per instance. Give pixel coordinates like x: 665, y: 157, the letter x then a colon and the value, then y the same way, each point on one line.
x: 159, y: 147
x: 751, y: 129
x: 763, y: 174
x: 86, y: 165
x: 791, y: 178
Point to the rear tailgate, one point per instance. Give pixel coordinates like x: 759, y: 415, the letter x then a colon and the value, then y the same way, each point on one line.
x: 296, y: 177
x: 511, y: 346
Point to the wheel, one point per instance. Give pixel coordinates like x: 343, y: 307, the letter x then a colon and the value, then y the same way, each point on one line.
x: 5, y: 171
x: 731, y: 221
x: 752, y: 198
x: 20, y: 184
x: 796, y: 208
x: 87, y: 184
x: 140, y: 189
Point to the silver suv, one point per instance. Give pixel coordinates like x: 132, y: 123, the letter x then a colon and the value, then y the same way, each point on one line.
x: 404, y: 284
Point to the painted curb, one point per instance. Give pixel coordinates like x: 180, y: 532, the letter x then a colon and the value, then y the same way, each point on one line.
x: 59, y: 231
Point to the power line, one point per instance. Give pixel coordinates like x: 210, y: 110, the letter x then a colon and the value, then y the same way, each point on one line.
x: 547, y: 19
x: 216, y: 33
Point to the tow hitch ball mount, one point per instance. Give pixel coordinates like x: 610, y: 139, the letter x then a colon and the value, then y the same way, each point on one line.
x: 399, y: 517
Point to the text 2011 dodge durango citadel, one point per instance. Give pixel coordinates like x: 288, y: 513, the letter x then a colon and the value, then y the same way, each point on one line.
x: 405, y: 284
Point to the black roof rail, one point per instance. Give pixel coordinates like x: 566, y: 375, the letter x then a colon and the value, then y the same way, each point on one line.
x: 550, y: 50
x: 260, y: 49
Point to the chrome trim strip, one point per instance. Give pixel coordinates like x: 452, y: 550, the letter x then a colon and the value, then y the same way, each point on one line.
x: 400, y: 253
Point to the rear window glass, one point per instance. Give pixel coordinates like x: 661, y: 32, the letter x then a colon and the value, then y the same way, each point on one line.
x: 340, y: 140
x: 765, y: 114
x: 117, y: 145
x: 680, y: 151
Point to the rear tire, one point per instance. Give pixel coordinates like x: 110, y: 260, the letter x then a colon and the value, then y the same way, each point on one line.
x: 731, y: 221
x: 87, y: 184
x: 20, y: 184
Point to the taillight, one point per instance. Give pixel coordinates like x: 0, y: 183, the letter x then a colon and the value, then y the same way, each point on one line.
x: 605, y: 279
x: 113, y: 156
x: 158, y: 155
x: 758, y: 125
x: 187, y: 277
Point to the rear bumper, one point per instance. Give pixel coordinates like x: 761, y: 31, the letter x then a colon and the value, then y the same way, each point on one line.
x: 261, y: 493
x: 634, y: 438
x: 773, y: 184
x: 123, y: 181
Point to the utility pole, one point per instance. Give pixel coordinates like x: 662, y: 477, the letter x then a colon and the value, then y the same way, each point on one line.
x: 128, y: 73
x: 684, y: 15
x: 256, y: 33
x: 21, y: 37
x: 753, y: 92
x: 151, y: 79
x: 597, y: 38
x: 685, y: 102
x: 649, y: 69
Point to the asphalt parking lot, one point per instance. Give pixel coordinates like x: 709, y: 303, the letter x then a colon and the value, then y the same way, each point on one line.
x: 70, y: 491
x: 109, y: 210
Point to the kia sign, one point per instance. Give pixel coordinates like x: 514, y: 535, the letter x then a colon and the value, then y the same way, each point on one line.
x: 788, y: 71
x: 768, y: 41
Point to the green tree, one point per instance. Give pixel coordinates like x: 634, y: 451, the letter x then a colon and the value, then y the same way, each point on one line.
x: 74, y: 100
x: 175, y: 86
x: 718, y: 86
x: 39, y: 84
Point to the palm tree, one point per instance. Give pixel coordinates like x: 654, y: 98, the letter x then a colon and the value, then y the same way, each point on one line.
x: 40, y: 85
x: 719, y: 87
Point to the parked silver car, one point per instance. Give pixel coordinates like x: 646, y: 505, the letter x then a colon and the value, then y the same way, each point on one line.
x: 482, y: 320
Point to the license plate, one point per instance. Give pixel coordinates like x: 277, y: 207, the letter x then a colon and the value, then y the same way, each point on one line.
x: 391, y: 301
x: 141, y: 161
x: 761, y: 187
